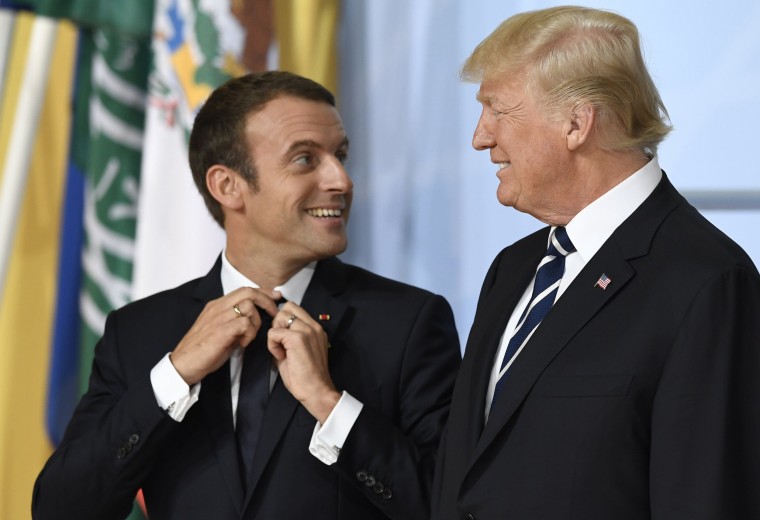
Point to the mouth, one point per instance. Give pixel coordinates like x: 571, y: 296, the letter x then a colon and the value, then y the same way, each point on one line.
x: 503, y: 165
x: 325, y: 212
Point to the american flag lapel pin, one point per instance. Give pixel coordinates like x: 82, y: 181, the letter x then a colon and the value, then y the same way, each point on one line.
x: 603, y: 281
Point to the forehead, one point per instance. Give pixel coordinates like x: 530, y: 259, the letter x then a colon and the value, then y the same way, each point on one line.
x: 502, y: 89
x: 285, y: 120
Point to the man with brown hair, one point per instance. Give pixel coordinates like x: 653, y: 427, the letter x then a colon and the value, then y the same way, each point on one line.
x: 333, y: 412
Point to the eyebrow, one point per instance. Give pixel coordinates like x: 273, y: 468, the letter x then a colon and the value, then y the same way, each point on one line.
x: 310, y: 143
x: 485, y: 100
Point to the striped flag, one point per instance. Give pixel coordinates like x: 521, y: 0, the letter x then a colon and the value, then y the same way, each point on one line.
x: 603, y: 281
x: 100, y: 207
x: 117, y: 112
x: 27, y: 301
x: 116, y: 97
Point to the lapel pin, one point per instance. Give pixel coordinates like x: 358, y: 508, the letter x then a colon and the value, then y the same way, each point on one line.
x: 324, y: 317
x: 603, y: 281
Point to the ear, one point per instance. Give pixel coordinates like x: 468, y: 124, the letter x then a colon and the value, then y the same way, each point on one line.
x: 581, y: 125
x: 224, y: 185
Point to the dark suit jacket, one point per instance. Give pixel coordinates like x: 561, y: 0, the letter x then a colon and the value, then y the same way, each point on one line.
x: 393, y: 347
x: 636, y: 401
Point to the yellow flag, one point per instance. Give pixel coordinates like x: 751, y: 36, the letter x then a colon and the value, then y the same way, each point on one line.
x: 26, y: 307
x: 307, y: 33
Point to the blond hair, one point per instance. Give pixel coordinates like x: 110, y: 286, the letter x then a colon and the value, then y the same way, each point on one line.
x: 573, y: 56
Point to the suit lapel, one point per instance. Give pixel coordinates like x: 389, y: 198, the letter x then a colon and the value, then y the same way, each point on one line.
x: 506, y: 287
x: 577, y: 306
x: 321, y: 300
x: 321, y: 303
x: 504, y: 284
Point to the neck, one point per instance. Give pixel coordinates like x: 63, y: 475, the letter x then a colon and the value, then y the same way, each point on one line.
x: 267, y: 271
x: 595, y: 175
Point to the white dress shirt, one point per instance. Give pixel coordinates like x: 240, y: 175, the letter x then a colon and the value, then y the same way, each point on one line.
x: 176, y: 397
x: 588, y: 231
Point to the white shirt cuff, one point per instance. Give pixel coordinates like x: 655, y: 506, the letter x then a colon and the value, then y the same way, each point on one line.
x: 172, y: 393
x: 327, y: 439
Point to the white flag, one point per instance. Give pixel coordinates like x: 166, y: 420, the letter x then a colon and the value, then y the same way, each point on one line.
x: 196, y: 47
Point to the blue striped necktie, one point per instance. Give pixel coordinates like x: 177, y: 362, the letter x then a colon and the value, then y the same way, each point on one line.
x: 548, y: 277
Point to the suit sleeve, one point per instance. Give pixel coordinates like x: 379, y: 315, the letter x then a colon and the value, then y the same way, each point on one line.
x: 108, y: 446
x: 391, y: 461
x: 705, y: 455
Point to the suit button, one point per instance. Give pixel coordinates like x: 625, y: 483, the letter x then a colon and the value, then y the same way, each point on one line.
x: 361, y: 476
x: 378, y: 487
x: 370, y: 481
x: 387, y: 493
x: 122, y: 452
x: 134, y: 439
x: 468, y: 517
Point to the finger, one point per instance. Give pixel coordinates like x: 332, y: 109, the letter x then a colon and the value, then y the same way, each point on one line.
x: 291, y: 321
x: 264, y: 300
x: 246, y: 302
x: 246, y: 309
x: 290, y: 313
x: 243, y: 330
x: 275, y: 344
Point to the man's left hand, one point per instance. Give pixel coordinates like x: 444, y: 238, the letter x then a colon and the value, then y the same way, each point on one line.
x: 299, y: 346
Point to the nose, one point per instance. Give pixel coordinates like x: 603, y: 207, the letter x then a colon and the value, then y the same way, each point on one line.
x: 335, y: 178
x: 482, y: 138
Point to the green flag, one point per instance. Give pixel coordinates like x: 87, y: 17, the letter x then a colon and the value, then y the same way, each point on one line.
x: 132, y: 18
x: 107, y: 141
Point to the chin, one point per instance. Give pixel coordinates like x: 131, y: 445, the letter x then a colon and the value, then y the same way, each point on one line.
x: 333, y: 249
x: 340, y: 248
x: 505, y: 200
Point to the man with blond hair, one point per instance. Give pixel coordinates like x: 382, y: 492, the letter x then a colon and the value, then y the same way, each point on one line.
x: 611, y: 370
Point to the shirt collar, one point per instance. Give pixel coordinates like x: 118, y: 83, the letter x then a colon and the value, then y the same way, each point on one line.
x: 292, y: 290
x: 593, y: 225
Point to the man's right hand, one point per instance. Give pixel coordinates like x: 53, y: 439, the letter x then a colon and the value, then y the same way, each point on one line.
x: 219, y: 329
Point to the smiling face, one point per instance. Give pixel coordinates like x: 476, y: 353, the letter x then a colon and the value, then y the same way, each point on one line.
x: 298, y: 210
x: 535, y: 171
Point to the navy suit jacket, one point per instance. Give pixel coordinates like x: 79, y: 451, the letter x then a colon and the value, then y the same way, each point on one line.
x: 638, y: 401
x: 393, y: 347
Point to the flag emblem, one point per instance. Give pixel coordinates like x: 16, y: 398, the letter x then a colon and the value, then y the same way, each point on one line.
x: 603, y: 281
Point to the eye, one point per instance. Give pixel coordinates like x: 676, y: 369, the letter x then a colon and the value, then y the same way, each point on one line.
x: 342, y: 157
x: 304, y: 159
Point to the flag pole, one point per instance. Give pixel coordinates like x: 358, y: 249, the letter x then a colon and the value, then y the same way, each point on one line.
x: 26, y: 119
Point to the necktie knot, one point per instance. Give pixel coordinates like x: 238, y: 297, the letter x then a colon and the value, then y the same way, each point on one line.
x: 559, y: 243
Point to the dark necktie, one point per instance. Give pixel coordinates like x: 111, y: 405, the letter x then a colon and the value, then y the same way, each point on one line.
x: 253, y: 395
x: 548, y: 277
